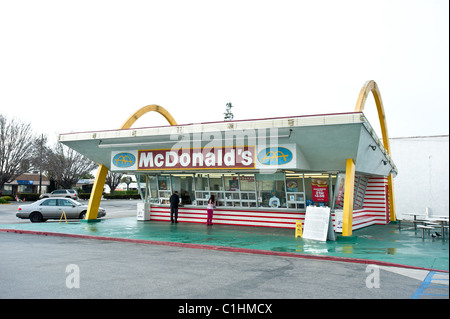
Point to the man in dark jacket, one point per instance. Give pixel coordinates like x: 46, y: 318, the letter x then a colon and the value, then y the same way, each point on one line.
x: 174, y: 200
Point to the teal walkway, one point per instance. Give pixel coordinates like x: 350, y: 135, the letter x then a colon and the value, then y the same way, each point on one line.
x: 384, y: 244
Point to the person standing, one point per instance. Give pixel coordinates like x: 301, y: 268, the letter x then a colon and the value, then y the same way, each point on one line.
x: 174, y: 201
x: 209, y: 210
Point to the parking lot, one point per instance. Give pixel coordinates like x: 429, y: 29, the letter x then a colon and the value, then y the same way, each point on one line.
x: 110, y: 269
x: 114, y: 209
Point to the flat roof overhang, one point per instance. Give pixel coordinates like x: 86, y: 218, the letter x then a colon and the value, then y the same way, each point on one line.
x: 325, y: 141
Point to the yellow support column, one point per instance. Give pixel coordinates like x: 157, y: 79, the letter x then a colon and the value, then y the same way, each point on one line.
x: 348, y: 198
x: 97, y: 190
x: 392, y: 215
x: 96, y: 194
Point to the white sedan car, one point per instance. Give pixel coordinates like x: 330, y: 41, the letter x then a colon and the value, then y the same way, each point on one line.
x: 52, y: 208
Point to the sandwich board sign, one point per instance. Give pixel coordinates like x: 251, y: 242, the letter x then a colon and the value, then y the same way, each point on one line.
x: 318, y: 224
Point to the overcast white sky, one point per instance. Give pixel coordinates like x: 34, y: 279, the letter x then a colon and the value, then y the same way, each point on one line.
x: 88, y: 65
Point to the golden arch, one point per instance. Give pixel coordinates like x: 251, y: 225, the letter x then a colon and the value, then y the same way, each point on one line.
x: 369, y: 86
x: 99, y: 183
x: 149, y: 108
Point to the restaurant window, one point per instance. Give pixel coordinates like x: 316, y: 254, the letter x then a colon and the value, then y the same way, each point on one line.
x: 231, y: 182
x: 271, y: 190
x: 232, y: 196
x: 202, y: 193
x: 201, y: 182
x: 295, y: 191
x: 317, y: 189
x: 359, y: 191
x: 164, y: 189
x: 216, y: 182
x: 183, y: 184
x: 153, y: 189
x: 248, y: 190
x: 217, y: 189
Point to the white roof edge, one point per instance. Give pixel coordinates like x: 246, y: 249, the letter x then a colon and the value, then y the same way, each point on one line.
x: 285, y: 122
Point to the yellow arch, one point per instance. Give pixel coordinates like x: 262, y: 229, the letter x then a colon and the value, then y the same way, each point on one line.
x: 369, y: 86
x: 99, y: 183
x: 149, y: 108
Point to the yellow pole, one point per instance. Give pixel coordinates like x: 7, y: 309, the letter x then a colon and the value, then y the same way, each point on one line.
x: 348, y: 198
x: 391, y: 198
x: 96, y: 193
x: 99, y: 183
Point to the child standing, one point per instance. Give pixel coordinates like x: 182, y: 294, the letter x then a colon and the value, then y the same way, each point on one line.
x: 209, y: 210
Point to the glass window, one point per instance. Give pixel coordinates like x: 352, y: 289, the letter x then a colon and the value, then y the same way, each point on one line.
x: 164, y: 182
x: 317, y: 189
x: 50, y: 202
x: 25, y: 188
x: 231, y: 182
x: 358, y: 195
x: 247, y: 182
x: 294, y: 183
x: 271, y: 190
x: 360, y: 191
x: 64, y: 202
x: 215, y: 182
x: 201, y: 182
x: 183, y: 184
x: 153, y: 188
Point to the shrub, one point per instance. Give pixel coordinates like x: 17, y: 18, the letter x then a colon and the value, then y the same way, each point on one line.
x: 84, y: 195
x: 121, y: 196
x: 29, y: 196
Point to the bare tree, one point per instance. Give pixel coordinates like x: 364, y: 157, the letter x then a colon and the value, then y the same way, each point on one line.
x: 40, y: 158
x: 66, y: 166
x: 112, y: 180
x: 16, y: 143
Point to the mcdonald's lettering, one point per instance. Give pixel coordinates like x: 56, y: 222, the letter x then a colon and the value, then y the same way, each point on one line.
x: 238, y: 157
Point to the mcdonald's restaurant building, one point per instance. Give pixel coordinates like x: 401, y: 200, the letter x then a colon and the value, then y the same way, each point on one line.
x: 263, y: 172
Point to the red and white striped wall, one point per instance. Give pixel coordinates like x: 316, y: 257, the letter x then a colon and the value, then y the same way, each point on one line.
x: 225, y: 216
x: 375, y: 209
x: 372, y: 213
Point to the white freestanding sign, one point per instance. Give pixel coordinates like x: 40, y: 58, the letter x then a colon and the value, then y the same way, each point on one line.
x: 339, y: 220
x: 143, y: 211
x: 318, y: 224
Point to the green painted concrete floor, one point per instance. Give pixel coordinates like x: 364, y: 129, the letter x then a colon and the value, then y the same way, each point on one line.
x: 385, y: 243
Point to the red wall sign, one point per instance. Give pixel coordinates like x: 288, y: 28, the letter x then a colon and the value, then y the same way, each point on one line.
x: 237, y: 157
x: 319, y: 190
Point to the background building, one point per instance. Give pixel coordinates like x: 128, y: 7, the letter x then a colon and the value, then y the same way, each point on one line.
x: 423, y: 179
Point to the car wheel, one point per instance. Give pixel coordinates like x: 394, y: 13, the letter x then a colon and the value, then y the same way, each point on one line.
x: 36, y: 217
x: 83, y: 215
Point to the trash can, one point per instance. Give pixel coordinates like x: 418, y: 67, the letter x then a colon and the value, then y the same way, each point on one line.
x: 143, y: 211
